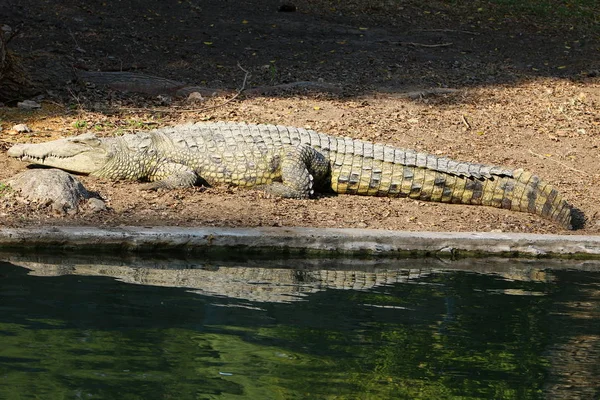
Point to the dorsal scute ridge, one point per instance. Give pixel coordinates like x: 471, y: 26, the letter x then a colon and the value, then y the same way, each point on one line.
x: 287, y: 135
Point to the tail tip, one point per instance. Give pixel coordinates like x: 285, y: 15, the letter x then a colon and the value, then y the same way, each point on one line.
x: 575, y: 219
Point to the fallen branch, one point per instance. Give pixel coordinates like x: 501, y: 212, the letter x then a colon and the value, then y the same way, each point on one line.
x: 131, y: 82
x: 308, y: 85
x: 449, y: 30
x: 171, y: 110
x: 263, y: 90
x: 415, y: 44
x: 424, y: 45
x: 419, y: 94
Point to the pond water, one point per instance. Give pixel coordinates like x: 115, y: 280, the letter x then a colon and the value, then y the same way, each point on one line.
x: 298, y: 329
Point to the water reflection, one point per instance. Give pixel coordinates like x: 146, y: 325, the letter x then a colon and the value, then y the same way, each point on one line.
x: 343, y: 329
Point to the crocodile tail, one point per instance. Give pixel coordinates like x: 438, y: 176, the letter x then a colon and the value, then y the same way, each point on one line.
x: 516, y: 190
x: 531, y: 194
x: 520, y: 191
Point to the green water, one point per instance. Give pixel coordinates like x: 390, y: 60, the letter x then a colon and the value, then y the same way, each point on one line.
x: 415, y: 334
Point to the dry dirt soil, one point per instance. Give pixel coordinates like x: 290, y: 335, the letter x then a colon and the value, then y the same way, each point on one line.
x: 473, y: 84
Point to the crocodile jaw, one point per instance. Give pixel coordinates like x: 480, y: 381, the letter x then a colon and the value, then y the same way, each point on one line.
x: 83, y: 154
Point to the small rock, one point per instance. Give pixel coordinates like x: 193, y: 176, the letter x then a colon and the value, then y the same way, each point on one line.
x: 96, y: 205
x: 195, y: 97
x: 52, y: 188
x: 164, y: 100
x: 21, y: 128
x: 29, y: 105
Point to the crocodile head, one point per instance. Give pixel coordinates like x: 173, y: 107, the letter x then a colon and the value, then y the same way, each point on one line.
x: 83, y: 154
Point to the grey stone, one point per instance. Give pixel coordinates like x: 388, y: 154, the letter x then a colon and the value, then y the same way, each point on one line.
x: 53, y: 188
x: 21, y: 128
x: 96, y: 205
x: 195, y: 97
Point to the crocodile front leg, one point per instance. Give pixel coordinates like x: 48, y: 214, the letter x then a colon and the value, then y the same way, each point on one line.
x: 171, y: 175
x: 300, y: 168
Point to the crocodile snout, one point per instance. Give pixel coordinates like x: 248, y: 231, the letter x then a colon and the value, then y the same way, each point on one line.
x: 16, y: 151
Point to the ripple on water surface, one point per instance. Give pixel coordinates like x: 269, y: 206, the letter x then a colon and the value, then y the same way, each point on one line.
x: 318, y: 329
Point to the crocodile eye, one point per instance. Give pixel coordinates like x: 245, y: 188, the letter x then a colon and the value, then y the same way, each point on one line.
x: 87, y: 139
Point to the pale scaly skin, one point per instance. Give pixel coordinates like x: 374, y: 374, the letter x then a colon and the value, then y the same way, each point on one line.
x: 293, y: 162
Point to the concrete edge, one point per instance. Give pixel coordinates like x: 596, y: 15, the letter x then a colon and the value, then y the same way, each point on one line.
x: 297, y: 240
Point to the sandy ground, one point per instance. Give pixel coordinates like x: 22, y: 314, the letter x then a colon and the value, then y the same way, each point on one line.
x: 522, y: 96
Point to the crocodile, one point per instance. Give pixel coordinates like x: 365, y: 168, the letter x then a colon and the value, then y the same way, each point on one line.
x: 294, y: 162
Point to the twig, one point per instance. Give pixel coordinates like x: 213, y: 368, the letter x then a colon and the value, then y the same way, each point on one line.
x: 449, y: 30
x: 414, y: 44
x: 464, y: 120
x: 79, y: 106
x: 424, y: 45
x: 77, y: 47
x: 543, y: 157
x: 170, y: 110
x: 8, y: 36
x: 239, y: 92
